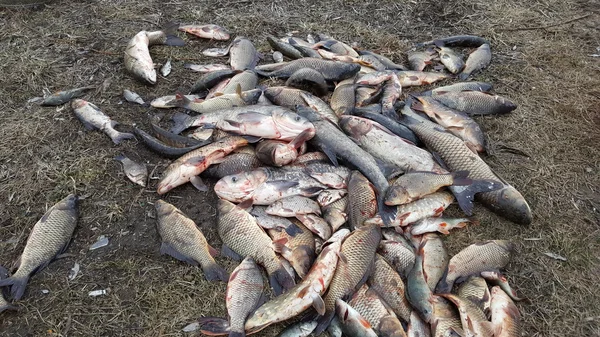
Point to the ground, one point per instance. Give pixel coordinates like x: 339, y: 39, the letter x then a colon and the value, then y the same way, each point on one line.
x: 542, y: 61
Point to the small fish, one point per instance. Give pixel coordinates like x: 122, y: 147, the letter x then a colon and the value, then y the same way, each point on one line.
x: 496, y: 278
x: 316, y: 224
x: 327, y: 197
x: 335, y: 213
x: 389, y: 64
x: 419, y: 60
x: 461, y: 86
x: 335, y: 46
x: 434, y: 258
x: 372, y: 61
x: 476, y: 258
x: 293, y: 206
x: 362, y: 201
x: 300, y: 329
x: 94, y: 119
x: 244, y: 292
x: 242, y: 54
x: 65, y: 96
x: 352, y: 323
x: 132, y: 97
x: 506, y: 319
x: 165, y: 70
x: 392, y: 235
x: 418, y: 292
x: 477, y: 61
x: 137, y: 55
x: 310, y: 80
x: 439, y: 224
x: 457, y: 41
x: 268, y: 221
x: 475, y: 289
x: 4, y: 304
x: 137, y: 173
x: 209, y: 31
x: 475, y: 102
x: 452, y: 60
x: 206, y: 68
x: 244, y: 81
x: 49, y: 237
x: 216, y: 52
x: 474, y: 321
x: 389, y: 285
x: 330, y: 175
x: 277, y: 57
x: 343, y: 99
x: 172, y: 139
x: 182, y: 239
x: 430, y: 205
x: 218, y: 103
x: 415, y: 185
x: 189, y: 166
x: 398, y: 256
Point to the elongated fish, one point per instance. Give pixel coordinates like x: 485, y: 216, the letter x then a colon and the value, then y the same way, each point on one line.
x: 65, y: 96
x: 506, y: 319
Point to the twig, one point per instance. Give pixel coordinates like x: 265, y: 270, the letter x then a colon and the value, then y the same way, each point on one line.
x: 549, y: 26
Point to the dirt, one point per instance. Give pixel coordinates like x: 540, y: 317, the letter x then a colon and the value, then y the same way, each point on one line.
x: 541, y: 61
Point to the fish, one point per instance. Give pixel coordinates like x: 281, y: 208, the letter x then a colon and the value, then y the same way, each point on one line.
x: 352, y: 323
x: 398, y: 256
x: 418, y: 293
x: 329, y: 175
x: 284, y: 47
x: 298, y: 249
x: 434, y: 258
x: 372, y: 61
x: 415, y: 185
x: 391, y: 92
x: 336, y: 47
x: 331, y: 70
x: 94, y: 119
x: 137, y: 55
x: 430, y: 205
x: 473, y: 320
x: 501, y: 198
x: 460, y: 86
x: 300, y: 329
x: 242, y: 237
x: 476, y: 258
x: 327, y: 197
x: 279, y: 153
x: 182, y: 240
x: 263, y: 121
x: 392, y: 235
x: 452, y: 60
x: 475, y: 289
x: 189, y: 166
x: 304, y: 48
x: 440, y: 224
x: 163, y: 149
x: 417, y: 78
x: 362, y: 201
x: 132, y: 97
x: 419, y: 60
x: 264, y: 186
x: 172, y: 139
x: 284, y: 96
x: 242, y: 54
x: 417, y: 327
x: 170, y: 101
x: 305, y: 294
x: 353, y: 269
x: 62, y: 97
x: 368, y: 303
x: 247, y: 80
x: 446, y: 322
x: 497, y: 279
x: 268, y: 221
x: 316, y: 224
x: 244, y: 293
x: 4, y: 304
x: 393, y: 126
x: 210, y: 79
x: 327, y: 55
x: 293, y: 206
x: 210, y: 31
x: 216, y: 52
x: 234, y: 163
x: 388, y: 284
x: 454, y: 121
x: 477, y: 60
x: 165, y: 70
x: 457, y: 41
x: 309, y: 80
x: 335, y: 143
x: 365, y: 96
x: 343, y: 99
x: 277, y: 57
x: 335, y: 213
x: 205, y: 68
x: 386, y: 146
x: 474, y: 103
x: 49, y: 237
x: 311, y: 157
x: 506, y: 319
x: 137, y: 173
x: 389, y: 64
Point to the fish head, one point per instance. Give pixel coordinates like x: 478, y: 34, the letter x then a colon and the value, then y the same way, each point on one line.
x: 302, y: 258
x: 284, y: 154
x: 69, y: 202
x: 505, y: 104
x: 173, y: 176
x: 291, y: 124
x: 145, y: 72
x: 162, y: 208
x: 509, y: 203
x: 355, y: 126
x: 78, y: 103
x: 251, y: 96
x: 397, y: 195
x: 241, y: 186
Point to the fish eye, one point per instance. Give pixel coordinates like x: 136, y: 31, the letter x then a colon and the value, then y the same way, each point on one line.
x: 297, y: 118
x: 234, y: 179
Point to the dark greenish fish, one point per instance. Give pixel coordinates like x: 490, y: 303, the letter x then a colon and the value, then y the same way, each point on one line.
x: 309, y: 80
x: 284, y: 47
x: 63, y: 97
x: 456, y: 41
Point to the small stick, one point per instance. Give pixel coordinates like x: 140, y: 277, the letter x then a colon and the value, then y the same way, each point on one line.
x: 549, y: 26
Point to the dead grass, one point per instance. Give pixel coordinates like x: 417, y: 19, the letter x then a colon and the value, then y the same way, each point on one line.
x: 45, y: 152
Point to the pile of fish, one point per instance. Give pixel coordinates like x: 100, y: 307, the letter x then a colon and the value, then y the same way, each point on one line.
x: 329, y: 182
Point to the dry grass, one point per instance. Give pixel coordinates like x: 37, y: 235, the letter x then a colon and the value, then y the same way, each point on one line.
x: 45, y: 153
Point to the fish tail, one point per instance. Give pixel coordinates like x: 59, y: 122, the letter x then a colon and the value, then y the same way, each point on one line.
x: 17, y: 286
x: 214, y: 272
x: 461, y: 178
x: 466, y: 194
x: 280, y: 280
x: 171, y: 38
x: 117, y: 137
x: 213, y: 326
x: 387, y: 213
x: 323, y: 322
x: 180, y: 120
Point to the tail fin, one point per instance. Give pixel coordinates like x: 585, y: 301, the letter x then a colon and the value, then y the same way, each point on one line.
x: 463, y: 76
x: 180, y: 122
x: 466, y: 194
x: 461, y: 178
x: 280, y: 279
x: 293, y: 229
x: 172, y: 40
x: 214, y: 272
x: 237, y: 334
x: 387, y: 213
x: 17, y: 285
x: 323, y: 322
x: 213, y: 326
x: 117, y: 137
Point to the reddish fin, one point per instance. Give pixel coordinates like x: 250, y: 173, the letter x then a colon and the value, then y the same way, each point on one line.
x: 213, y: 326
x: 301, y: 138
x: 246, y: 204
x: 213, y: 251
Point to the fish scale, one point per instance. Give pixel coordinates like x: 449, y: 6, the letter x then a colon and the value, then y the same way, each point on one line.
x: 476, y: 290
x: 362, y: 202
x: 474, y: 102
x: 244, y: 290
x: 506, y: 318
x: 370, y: 306
x: 389, y: 285
x: 234, y: 163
